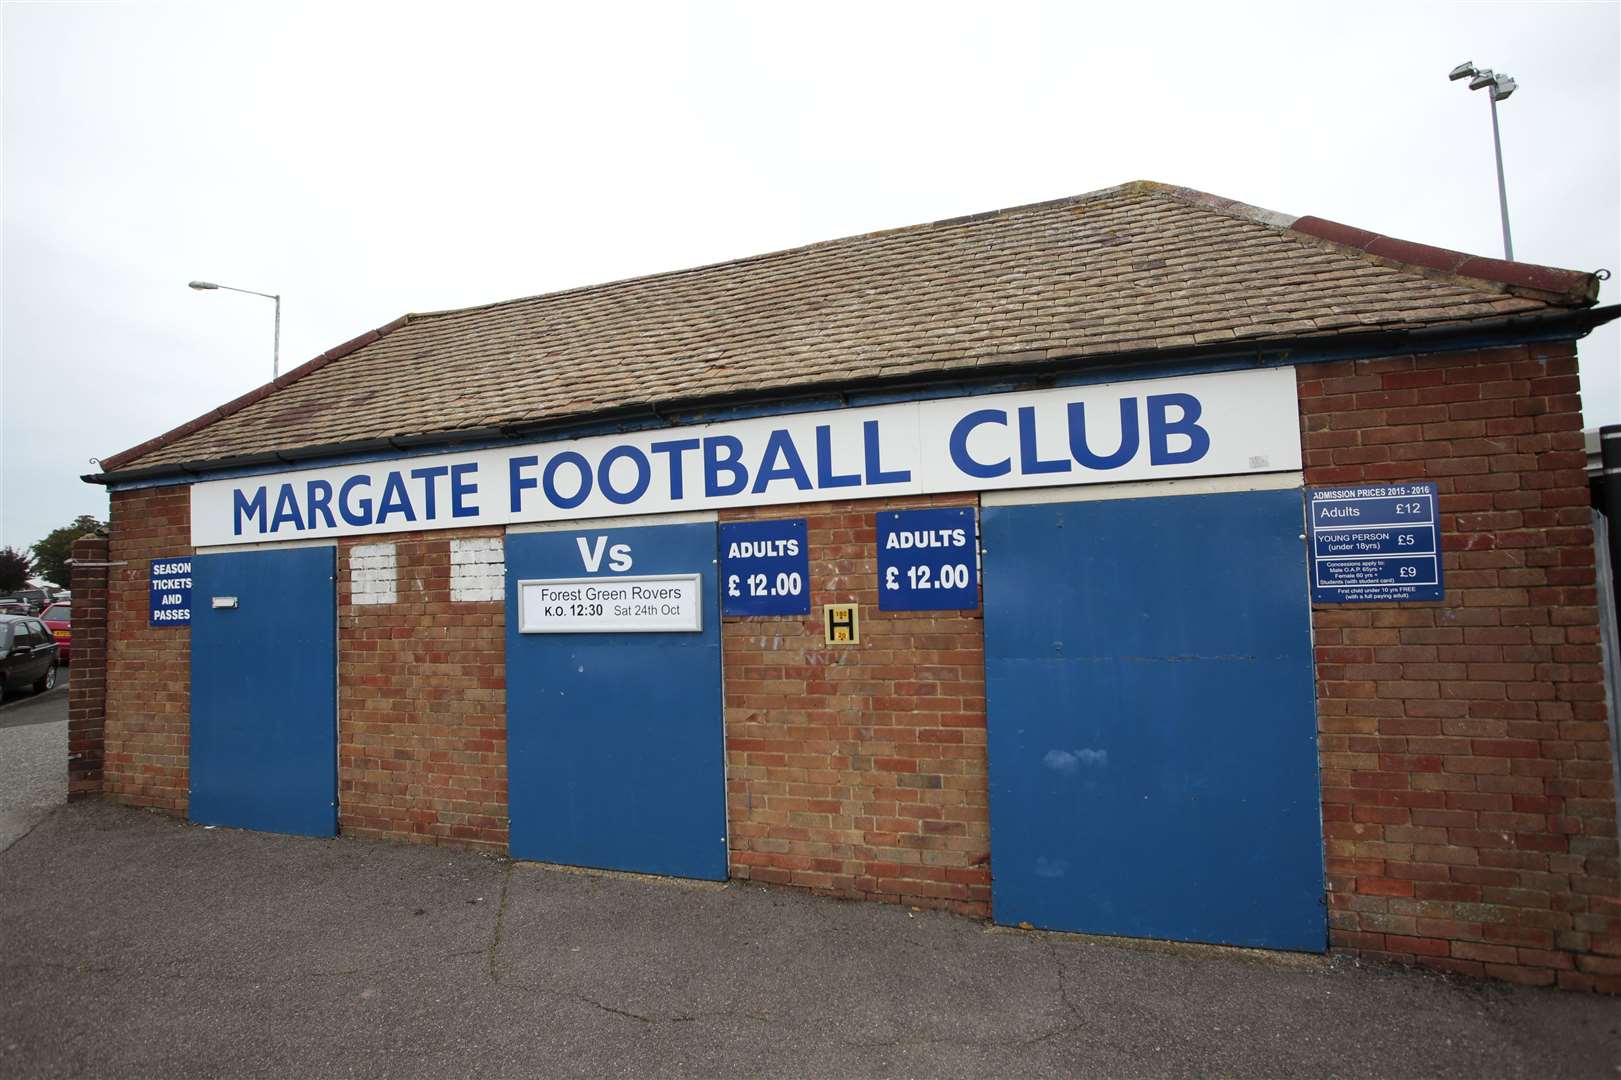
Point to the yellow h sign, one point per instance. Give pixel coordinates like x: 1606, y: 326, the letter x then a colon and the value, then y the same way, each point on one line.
x: 843, y: 624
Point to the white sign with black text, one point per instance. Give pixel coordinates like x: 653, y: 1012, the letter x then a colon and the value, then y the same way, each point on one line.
x: 611, y: 605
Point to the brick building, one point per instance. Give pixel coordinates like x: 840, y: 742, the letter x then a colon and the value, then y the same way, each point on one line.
x: 964, y: 565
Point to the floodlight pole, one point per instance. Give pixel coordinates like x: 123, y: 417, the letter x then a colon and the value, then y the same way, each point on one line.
x: 1502, y: 187
x: 1496, y: 86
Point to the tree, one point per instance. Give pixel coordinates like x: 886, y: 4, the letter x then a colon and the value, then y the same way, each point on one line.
x: 14, y: 568
x: 52, y: 553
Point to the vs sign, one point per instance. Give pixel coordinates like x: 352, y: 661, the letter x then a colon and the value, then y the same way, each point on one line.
x: 591, y: 551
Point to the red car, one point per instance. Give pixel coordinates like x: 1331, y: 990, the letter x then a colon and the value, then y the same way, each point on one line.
x: 58, y: 619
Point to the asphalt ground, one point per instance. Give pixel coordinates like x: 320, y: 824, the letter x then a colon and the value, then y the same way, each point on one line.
x: 136, y: 945
x: 33, y: 758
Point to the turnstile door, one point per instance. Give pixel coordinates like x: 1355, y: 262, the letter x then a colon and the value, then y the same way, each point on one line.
x: 1152, y: 730
x: 615, y: 741
x: 264, y: 691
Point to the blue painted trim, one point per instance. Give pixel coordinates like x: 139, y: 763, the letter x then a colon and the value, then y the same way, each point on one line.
x: 1260, y: 357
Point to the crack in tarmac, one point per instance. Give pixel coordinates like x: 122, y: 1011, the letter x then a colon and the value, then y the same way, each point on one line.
x: 42, y: 819
x: 211, y: 976
x: 500, y: 925
x: 676, y: 1018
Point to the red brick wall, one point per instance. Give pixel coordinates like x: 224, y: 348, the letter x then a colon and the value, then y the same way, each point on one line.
x: 1467, y: 797
x: 1468, y: 807
x: 148, y: 669
x: 858, y: 771
x: 421, y: 703
x: 87, y: 688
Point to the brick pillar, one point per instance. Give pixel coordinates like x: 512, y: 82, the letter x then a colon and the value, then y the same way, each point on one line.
x: 87, y: 685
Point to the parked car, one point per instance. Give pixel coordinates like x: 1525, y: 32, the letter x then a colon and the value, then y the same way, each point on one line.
x: 10, y: 605
x: 27, y: 654
x: 36, y: 599
x: 58, y: 619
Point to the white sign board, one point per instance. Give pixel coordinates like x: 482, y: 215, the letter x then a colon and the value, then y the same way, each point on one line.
x: 1217, y: 424
x: 611, y: 605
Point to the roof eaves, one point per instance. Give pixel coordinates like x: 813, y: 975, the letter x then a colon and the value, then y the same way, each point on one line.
x: 259, y: 393
x: 1545, y: 325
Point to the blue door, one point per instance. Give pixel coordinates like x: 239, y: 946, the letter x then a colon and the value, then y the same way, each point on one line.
x: 1152, y: 726
x: 264, y: 691
x: 615, y: 743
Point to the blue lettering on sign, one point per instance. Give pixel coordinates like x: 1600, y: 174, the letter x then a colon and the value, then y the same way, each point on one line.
x: 1127, y: 450
x: 715, y: 464
x: 644, y: 474
x: 462, y: 489
x: 765, y: 568
x: 875, y: 468
x: 253, y: 508
x: 1030, y: 463
x: 928, y: 560
x: 825, y: 476
x: 959, y: 445
x: 674, y: 448
x: 548, y: 479
x: 781, y: 445
x: 170, y: 589
x: 1161, y: 428
x: 1375, y: 544
x: 429, y: 495
x: 318, y: 495
x: 395, y: 500
x: 517, y: 482
x: 1175, y: 437
x: 406, y: 496
x: 1032, y: 444
x: 358, y: 511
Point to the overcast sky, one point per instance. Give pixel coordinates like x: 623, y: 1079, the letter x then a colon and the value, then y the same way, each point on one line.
x: 369, y: 160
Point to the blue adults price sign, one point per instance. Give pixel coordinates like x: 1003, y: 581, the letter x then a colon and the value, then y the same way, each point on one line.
x: 170, y: 589
x: 928, y: 560
x: 1378, y: 543
x: 764, y: 568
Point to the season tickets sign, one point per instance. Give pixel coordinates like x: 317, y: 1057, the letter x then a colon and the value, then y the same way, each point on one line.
x: 1228, y: 423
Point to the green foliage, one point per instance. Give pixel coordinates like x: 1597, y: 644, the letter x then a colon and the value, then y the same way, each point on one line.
x: 52, y: 553
x: 14, y: 567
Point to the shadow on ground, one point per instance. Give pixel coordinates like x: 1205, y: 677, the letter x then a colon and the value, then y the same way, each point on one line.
x: 135, y: 945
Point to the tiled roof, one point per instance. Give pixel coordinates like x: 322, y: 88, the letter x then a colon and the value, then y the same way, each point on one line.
x: 1140, y: 268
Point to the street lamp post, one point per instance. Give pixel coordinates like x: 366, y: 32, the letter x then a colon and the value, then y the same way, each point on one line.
x: 1501, y: 86
x: 275, y: 353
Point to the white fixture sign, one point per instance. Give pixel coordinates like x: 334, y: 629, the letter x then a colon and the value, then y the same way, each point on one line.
x: 611, y: 605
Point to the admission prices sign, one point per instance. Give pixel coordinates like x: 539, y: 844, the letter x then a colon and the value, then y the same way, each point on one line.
x: 1228, y: 423
x: 765, y: 568
x: 928, y: 560
x: 1372, y: 544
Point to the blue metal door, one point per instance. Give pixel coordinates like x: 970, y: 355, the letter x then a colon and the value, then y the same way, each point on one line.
x: 1152, y: 719
x: 615, y: 743
x: 264, y: 691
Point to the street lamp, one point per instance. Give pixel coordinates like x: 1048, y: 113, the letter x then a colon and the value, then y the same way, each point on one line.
x: 275, y: 354
x: 1501, y: 86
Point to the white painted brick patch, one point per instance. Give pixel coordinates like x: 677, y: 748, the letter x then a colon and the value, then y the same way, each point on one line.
x: 373, y: 571
x: 478, y: 569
